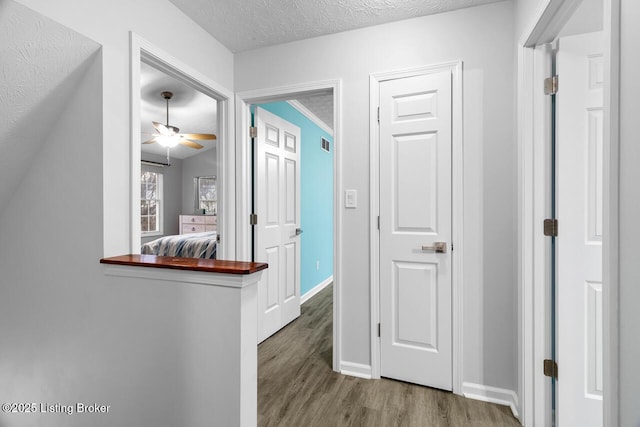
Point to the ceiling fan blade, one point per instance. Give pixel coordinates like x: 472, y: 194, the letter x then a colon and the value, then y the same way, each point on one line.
x: 190, y: 143
x: 199, y: 135
x: 161, y: 128
x: 150, y: 141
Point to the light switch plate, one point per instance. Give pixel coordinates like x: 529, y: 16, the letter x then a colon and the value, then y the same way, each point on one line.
x: 350, y: 199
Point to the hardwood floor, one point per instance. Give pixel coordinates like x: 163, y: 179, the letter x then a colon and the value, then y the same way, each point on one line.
x: 296, y: 386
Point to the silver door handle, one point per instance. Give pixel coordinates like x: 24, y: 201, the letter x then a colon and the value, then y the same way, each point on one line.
x: 298, y: 231
x: 439, y: 247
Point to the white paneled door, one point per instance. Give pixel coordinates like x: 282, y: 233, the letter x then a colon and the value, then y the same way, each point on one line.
x: 277, y: 234
x: 580, y: 69
x: 415, y: 229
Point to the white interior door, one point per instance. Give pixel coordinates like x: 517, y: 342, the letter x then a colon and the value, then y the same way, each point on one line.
x: 415, y: 214
x: 277, y: 241
x: 579, y: 210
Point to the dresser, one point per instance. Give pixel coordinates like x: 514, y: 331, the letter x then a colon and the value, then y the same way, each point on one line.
x: 197, y: 223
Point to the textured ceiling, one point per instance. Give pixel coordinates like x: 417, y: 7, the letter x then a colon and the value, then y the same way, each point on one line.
x: 189, y: 110
x: 249, y: 24
x: 320, y: 105
x: 40, y: 62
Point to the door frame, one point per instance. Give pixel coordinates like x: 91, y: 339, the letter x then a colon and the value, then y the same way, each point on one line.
x: 457, y: 175
x: 243, y: 101
x: 144, y: 51
x: 534, y: 197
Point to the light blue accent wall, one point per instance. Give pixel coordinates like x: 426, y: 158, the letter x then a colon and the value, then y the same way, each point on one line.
x: 316, y: 191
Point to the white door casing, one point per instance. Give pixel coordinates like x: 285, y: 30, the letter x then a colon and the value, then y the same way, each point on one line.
x: 415, y: 213
x: 277, y: 200
x: 580, y: 67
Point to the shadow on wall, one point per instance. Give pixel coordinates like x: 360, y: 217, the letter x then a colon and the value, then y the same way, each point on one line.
x: 41, y: 61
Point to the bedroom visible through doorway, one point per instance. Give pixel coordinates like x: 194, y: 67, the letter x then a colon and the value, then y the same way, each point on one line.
x: 180, y: 135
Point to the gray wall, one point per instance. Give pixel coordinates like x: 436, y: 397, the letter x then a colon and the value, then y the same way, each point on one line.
x: 69, y: 333
x: 482, y: 37
x: 202, y: 164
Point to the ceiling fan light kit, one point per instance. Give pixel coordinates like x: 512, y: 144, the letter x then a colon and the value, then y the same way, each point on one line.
x: 168, y: 141
x: 169, y: 136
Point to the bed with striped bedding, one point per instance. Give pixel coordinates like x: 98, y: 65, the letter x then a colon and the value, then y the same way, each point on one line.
x: 195, y: 245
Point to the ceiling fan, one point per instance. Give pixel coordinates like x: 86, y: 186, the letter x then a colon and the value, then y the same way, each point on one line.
x: 170, y: 136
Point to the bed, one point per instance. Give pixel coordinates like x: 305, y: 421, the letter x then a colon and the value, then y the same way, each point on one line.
x: 194, y: 245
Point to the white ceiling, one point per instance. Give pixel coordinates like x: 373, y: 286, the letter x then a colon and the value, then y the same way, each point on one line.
x: 243, y: 25
x: 321, y: 105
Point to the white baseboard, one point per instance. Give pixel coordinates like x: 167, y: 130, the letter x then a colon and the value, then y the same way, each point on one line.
x: 490, y: 394
x: 313, y: 291
x: 355, y: 370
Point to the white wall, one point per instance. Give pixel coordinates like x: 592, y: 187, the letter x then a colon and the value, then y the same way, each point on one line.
x: 629, y: 348
x: 482, y: 37
x: 69, y: 334
x: 527, y: 12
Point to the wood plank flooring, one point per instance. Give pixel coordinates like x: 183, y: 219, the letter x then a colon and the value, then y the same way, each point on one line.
x: 296, y: 386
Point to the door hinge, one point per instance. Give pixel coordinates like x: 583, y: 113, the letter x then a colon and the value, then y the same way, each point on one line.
x: 551, y: 227
x: 253, y: 219
x: 378, y: 330
x: 551, y: 85
x: 378, y: 114
x: 550, y: 368
x: 378, y: 222
x: 253, y: 132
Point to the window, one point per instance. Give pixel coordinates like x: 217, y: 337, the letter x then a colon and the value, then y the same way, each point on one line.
x: 151, y: 203
x: 207, y: 196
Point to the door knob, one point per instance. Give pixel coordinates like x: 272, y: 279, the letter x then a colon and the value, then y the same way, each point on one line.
x: 439, y: 247
x: 298, y: 231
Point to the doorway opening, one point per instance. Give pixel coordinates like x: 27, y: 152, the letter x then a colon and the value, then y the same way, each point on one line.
x: 292, y: 204
x: 566, y: 169
x: 294, y: 103
x: 211, y: 175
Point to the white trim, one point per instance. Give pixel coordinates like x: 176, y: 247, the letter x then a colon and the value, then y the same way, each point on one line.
x: 243, y: 168
x: 316, y: 289
x: 490, y: 394
x: 525, y: 237
x: 152, y: 234
x: 142, y: 50
x: 534, y: 248
x: 308, y: 114
x: 160, y: 201
x: 183, y: 276
x: 356, y: 370
x: 457, y: 211
x: 550, y: 19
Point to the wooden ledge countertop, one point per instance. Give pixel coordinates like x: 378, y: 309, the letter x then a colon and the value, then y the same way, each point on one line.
x: 192, y: 264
